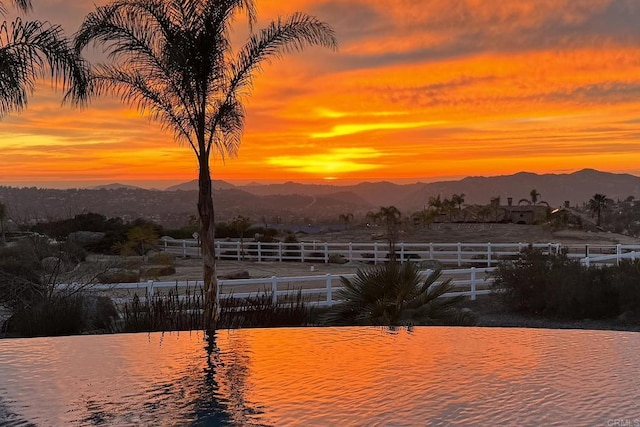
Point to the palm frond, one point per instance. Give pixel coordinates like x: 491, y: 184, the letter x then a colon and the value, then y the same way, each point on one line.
x: 393, y: 294
x: 27, y: 50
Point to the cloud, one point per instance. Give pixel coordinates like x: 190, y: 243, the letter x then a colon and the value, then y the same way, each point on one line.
x: 328, y: 164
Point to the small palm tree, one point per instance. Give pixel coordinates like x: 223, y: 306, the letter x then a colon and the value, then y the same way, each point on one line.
x: 394, y: 294
x: 346, y: 218
x: 26, y: 49
x: 241, y: 224
x: 173, y: 61
x: 535, y: 195
x: 435, y: 203
x: 391, y: 217
x: 597, y: 204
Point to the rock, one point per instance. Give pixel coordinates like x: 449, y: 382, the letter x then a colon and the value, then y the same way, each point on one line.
x: 241, y: 274
x: 337, y: 259
x: 85, y: 237
x: 166, y: 270
x: 119, y: 275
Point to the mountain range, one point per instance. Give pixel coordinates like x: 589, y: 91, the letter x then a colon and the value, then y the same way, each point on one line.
x: 555, y: 189
x: 300, y: 203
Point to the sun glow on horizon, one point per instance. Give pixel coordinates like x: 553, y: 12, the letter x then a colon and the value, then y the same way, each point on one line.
x: 416, y: 91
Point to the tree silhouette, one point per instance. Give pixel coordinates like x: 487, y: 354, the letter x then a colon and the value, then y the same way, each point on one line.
x: 27, y: 50
x: 390, y: 216
x: 241, y: 225
x: 597, y: 204
x: 346, y: 218
x: 173, y: 61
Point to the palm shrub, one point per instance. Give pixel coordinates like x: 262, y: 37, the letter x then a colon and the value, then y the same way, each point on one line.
x: 394, y: 294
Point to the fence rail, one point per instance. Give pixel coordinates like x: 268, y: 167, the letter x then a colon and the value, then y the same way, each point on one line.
x: 456, y: 254
x: 317, y: 290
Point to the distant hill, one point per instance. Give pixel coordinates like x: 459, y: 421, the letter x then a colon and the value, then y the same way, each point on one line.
x: 555, y: 189
x: 293, y: 203
x: 115, y: 186
x: 193, y: 185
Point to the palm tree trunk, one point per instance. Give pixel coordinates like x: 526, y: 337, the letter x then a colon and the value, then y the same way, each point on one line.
x: 207, y: 235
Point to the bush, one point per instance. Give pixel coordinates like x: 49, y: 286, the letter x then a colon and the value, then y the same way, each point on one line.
x: 162, y: 258
x: 555, y: 285
x: 167, y: 312
x: 58, y: 315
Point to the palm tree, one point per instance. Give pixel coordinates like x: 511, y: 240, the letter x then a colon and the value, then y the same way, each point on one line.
x: 391, y: 217
x: 597, y: 204
x: 435, y: 203
x: 393, y: 294
x: 346, y: 218
x: 27, y: 50
x: 173, y: 61
x: 458, y: 200
x: 241, y: 224
x: 495, y: 207
x: 534, y: 196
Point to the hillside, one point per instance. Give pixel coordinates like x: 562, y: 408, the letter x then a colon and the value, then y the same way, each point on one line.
x: 299, y: 203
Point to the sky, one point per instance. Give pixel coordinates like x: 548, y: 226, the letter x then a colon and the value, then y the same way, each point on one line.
x: 418, y: 91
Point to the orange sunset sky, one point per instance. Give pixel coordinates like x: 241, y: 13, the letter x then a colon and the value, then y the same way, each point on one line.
x: 418, y: 91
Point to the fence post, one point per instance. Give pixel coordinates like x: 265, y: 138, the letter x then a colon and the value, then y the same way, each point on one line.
x: 375, y: 253
x: 149, y: 288
x: 279, y: 251
x: 184, y: 249
x: 473, y: 283
x: 459, y: 254
x: 618, y: 253
x: 431, y: 250
x: 164, y: 241
x: 326, y: 253
x: 238, y: 250
x: 274, y: 290
x: 350, y: 252
x: 218, y: 249
x: 401, y: 251
x: 329, y: 291
x: 586, y: 251
x: 489, y: 254
x: 301, y: 251
x: 259, y: 251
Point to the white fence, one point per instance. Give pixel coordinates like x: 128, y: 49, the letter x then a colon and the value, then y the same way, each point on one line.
x: 457, y: 254
x: 316, y: 290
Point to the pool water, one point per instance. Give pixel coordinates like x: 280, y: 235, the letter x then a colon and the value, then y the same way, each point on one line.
x: 324, y: 376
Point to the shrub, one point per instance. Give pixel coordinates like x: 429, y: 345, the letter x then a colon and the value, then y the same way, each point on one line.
x: 555, y: 285
x: 58, y: 315
x: 394, y: 294
x: 162, y: 258
x: 168, y: 311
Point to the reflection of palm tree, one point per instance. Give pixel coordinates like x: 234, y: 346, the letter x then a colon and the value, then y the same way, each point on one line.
x: 175, y: 64
x: 597, y: 204
x: 24, y: 49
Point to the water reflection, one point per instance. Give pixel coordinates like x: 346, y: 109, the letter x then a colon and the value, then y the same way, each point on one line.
x: 326, y: 376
